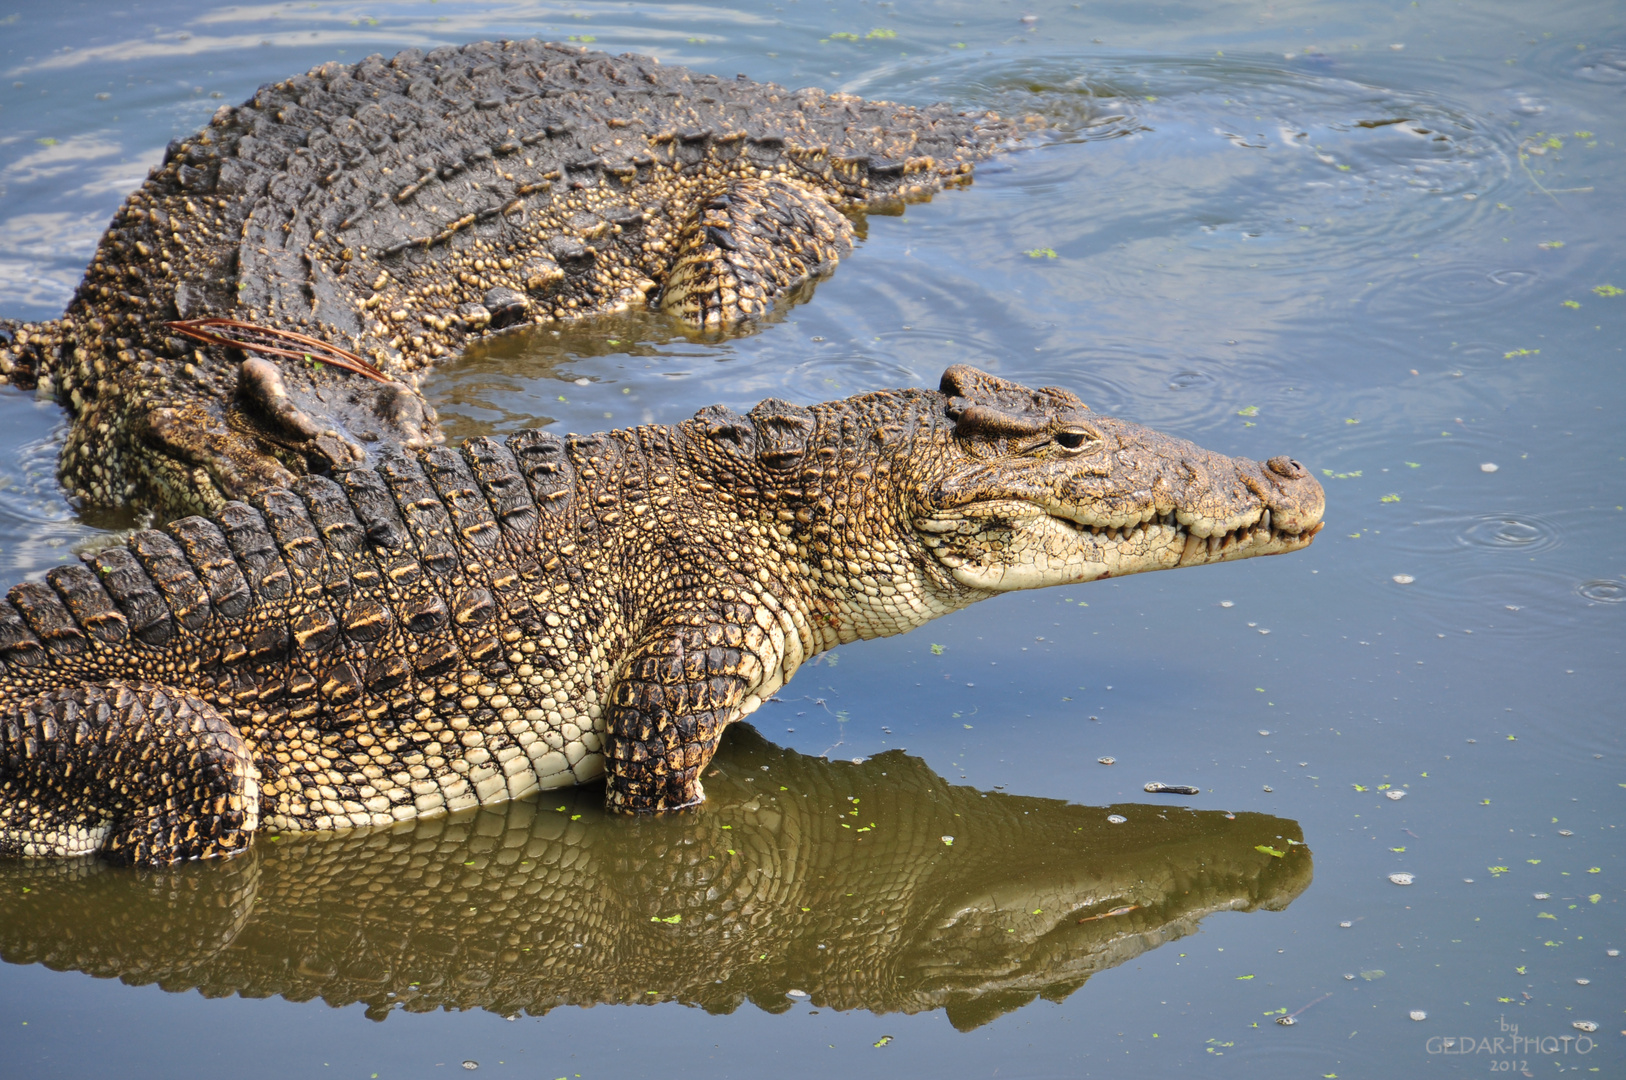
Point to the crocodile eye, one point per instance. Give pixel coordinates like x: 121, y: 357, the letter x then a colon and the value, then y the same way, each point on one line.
x: 1070, y: 440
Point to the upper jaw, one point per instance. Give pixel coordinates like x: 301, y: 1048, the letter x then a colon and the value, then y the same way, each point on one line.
x: 1228, y: 508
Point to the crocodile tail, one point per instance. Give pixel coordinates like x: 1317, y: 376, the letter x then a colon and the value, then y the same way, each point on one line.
x: 28, y: 351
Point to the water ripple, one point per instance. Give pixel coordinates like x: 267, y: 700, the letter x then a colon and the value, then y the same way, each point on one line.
x: 1603, y: 591
x: 1602, y: 66
x: 1380, y: 166
x: 1524, y: 532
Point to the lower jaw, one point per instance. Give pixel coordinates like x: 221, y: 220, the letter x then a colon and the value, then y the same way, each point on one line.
x: 1199, y: 550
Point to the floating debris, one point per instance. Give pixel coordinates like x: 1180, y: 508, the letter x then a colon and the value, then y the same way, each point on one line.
x: 1262, y: 731
x: 948, y: 841
x: 1403, y: 579
x: 1418, y: 1014
x: 1107, y: 760
x: 1612, y: 952
x: 1346, y: 924
x: 1227, y: 603
x: 1542, y: 896
x: 1584, y: 1025
x: 1126, y: 909
x: 1583, y: 982
x: 1401, y: 878
x: 1116, y: 819
x: 1171, y: 789
x: 1394, y: 795
x: 1565, y: 832
x: 1348, y: 977
x: 796, y: 993
x: 882, y: 1041
x: 1268, y: 788
x: 1286, y: 1021
x: 1489, y: 466
x: 471, y: 1064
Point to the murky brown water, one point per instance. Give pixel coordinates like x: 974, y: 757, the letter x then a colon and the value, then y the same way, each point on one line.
x: 1382, y: 238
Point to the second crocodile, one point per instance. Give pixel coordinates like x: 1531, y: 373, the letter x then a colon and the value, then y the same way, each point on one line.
x: 367, y: 220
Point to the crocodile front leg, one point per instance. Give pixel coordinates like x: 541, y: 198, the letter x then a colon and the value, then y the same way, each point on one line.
x: 677, y: 692
x: 141, y: 774
x: 749, y: 243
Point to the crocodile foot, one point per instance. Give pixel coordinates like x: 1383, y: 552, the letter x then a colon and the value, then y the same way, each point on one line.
x: 749, y: 243
x: 73, y: 783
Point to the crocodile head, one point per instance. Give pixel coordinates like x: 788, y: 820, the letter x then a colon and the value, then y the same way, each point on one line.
x: 1032, y: 489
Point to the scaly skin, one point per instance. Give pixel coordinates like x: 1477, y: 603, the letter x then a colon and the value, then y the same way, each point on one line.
x: 399, y: 208
x: 824, y: 877
x: 465, y: 627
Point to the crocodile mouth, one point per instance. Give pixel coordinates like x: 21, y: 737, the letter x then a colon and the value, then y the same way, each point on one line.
x: 1021, y: 544
x: 1196, y: 540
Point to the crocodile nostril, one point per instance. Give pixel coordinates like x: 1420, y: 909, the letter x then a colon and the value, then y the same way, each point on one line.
x: 1286, y: 468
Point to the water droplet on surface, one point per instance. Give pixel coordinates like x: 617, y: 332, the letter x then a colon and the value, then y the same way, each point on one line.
x: 1604, y: 591
x: 1185, y: 380
x: 1520, y: 532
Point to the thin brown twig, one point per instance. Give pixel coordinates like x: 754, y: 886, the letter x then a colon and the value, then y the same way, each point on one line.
x: 1125, y: 910
x: 309, y: 348
x: 1317, y: 1001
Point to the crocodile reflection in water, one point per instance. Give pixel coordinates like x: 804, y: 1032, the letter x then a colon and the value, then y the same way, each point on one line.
x: 875, y: 886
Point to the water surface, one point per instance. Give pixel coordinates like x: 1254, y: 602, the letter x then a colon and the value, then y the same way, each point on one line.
x: 1383, y: 238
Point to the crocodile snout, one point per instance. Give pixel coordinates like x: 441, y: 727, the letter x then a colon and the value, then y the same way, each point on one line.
x: 1294, y: 497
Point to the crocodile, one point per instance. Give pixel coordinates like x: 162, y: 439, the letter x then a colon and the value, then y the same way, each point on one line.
x: 266, y: 304
x: 876, y: 886
x: 465, y: 626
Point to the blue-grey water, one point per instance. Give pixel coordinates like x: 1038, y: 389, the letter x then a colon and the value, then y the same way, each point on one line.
x: 1385, y: 238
